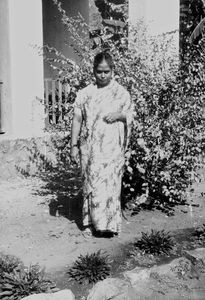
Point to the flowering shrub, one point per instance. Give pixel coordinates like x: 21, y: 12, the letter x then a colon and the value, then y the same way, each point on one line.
x: 167, y: 140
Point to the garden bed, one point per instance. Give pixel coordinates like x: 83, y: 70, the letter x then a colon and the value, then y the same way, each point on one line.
x: 129, y: 257
x: 32, y: 232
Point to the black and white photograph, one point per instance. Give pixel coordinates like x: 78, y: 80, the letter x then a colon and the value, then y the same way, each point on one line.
x: 102, y: 149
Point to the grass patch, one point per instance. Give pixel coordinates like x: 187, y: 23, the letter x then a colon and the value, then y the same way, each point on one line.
x: 18, y: 281
x: 90, y: 268
x: 156, y: 242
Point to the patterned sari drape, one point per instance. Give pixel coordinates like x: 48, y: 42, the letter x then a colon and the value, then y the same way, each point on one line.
x: 102, y: 153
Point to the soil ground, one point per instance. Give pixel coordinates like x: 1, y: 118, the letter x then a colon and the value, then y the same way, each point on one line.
x: 37, y: 233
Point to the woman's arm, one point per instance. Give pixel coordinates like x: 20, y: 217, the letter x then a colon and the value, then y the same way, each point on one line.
x: 75, y: 131
x: 125, y: 116
x: 115, y: 117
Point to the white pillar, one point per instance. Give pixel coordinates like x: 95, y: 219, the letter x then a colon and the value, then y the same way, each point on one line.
x: 6, y: 105
x: 137, y: 10
x: 26, y: 67
x: 162, y: 15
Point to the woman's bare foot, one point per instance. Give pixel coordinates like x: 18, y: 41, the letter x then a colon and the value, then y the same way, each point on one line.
x: 87, y: 232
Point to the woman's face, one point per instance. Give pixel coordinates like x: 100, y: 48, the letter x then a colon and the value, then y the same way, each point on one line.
x: 103, y: 74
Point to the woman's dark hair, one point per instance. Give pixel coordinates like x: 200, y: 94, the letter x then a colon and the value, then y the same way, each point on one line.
x: 100, y: 57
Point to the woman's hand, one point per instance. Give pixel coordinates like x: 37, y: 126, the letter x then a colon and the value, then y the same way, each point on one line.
x: 74, y: 153
x: 114, y: 117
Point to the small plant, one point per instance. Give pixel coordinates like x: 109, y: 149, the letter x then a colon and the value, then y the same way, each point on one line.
x: 21, y: 282
x: 8, y: 263
x: 138, y: 257
x: 182, y: 269
x: 199, y: 233
x: 90, y: 268
x: 156, y: 242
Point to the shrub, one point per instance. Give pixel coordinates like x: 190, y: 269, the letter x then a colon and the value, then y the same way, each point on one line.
x: 199, y: 233
x: 139, y: 257
x: 156, y: 242
x: 8, y: 263
x: 90, y: 268
x: 167, y: 139
x: 21, y: 282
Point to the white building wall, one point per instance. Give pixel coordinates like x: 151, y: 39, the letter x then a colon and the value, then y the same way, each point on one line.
x: 26, y: 67
x: 6, y: 106
x: 160, y: 15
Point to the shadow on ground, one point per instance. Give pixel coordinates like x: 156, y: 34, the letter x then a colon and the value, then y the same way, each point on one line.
x: 61, y: 181
x: 64, y: 191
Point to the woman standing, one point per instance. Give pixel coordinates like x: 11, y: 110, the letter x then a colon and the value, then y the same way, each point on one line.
x: 103, y: 116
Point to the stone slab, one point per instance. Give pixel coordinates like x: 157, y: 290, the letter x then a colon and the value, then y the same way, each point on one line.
x: 61, y: 295
x: 196, y: 255
x: 112, y: 288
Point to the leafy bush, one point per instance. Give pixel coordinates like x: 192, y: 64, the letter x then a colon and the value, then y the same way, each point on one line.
x: 156, y: 242
x: 8, y: 263
x: 90, y: 268
x: 167, y: 139
x: 199, y: 234
x: 16, y: 281
x: 141, y: 258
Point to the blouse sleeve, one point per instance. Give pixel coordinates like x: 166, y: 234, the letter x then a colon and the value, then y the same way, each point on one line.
x: 128, y: 111
x: 79, y: 100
